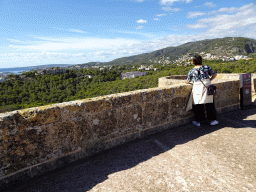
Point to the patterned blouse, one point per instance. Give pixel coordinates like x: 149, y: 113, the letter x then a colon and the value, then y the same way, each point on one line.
x: 204, y: 72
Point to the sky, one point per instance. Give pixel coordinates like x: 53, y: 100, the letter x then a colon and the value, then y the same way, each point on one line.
x: 79, y: 31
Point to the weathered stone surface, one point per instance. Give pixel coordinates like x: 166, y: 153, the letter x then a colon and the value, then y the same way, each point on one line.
x: 129, y: 117
x: 171, y: 80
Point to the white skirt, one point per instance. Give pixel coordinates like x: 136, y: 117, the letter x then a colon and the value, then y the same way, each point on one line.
x: 199, y: 94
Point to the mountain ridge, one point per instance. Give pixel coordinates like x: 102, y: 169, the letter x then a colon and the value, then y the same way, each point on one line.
x: 221, y: 46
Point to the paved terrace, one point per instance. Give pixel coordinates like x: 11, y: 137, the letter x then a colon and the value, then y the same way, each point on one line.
x: 185, y: 158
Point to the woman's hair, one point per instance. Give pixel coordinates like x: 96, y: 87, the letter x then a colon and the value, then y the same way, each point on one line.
x: 197, y: 60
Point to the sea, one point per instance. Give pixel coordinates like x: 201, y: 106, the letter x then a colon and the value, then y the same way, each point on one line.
x: 19, y: 70
x: 14, y: 70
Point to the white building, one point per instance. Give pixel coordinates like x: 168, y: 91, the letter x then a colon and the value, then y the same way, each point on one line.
x: 226, y: 58
x: 208, y: 56
x: 142, y: 67
x: 238, y: 57
x: 167, y: 61
x: 133, y: 74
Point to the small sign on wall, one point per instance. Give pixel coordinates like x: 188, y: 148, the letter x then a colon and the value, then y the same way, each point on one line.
x: 245, y: 92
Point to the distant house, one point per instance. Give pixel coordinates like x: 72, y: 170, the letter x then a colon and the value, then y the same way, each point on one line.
x: 142, y: 67
x: 208, y: 56
x: 22, y: 76
x: 133, y: 74
x: 167, y: 61
x: 41, y: 72
x: 238, y: 57
x: 56, y: 70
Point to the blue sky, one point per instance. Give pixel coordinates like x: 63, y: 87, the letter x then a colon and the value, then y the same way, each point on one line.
x: 80, y: 31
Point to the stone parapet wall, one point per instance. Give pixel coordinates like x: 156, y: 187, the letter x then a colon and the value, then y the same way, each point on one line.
x: 236, y: 76
x: 177, y: 79
x: 171, y: 80
x: 37, y: 140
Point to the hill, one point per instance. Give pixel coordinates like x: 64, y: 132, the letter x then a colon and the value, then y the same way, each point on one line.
x: 229, y: 46
x: 90, y: 64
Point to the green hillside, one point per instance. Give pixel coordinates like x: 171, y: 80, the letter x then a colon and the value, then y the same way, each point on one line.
x: 222, y: 46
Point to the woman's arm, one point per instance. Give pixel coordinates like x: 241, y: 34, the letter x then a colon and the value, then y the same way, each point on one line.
x: 213, y: 77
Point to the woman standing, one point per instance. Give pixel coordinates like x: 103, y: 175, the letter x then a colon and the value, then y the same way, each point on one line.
x: 199, y: 100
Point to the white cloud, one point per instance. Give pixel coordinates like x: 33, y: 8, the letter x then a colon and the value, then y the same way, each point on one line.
x: 42, y: 58
x: 68, y: 43
x: 197, y: 26
x: 171, y: 9
x: 139, y: 1
x: 148, y: 35
x: 209, y: 4
x: 70, y: 30
x: 194, y: 14
x: 236, y: 24
x: 139, y: 27
x: 16, y: 41
x: 233, y: 9
x: 170, y: 2
x: 156, y: 19
x: 141, y: 21
x: 161, y: 15
x: 77, y: 31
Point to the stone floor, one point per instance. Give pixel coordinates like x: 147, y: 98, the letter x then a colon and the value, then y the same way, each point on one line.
x: 187, y: 158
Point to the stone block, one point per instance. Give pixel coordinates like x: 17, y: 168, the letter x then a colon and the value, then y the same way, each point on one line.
x: 39, y: 116
x: 95, y: 106
x: 154, y: 113
x: 129, y: 117
x: 168, y: 93
x: 103, y: 123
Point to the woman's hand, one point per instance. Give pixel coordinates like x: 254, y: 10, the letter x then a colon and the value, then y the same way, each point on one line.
x: 213, y: 77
